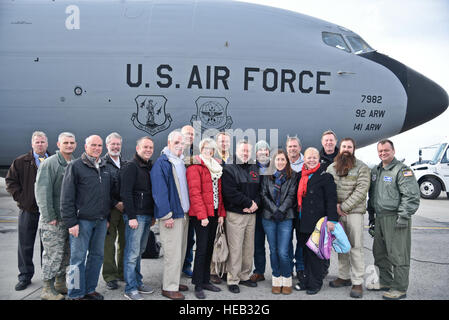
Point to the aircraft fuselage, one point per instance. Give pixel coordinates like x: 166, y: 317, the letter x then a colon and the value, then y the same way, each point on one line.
x: 149, y: 67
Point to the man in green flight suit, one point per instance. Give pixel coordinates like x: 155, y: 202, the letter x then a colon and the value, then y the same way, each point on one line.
x: 393, y: 199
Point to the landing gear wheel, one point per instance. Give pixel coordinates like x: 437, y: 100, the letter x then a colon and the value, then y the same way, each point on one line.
x: 430, y: 188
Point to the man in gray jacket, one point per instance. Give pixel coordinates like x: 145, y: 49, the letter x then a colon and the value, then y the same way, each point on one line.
x: 54, y: 236
x: 352, y: 178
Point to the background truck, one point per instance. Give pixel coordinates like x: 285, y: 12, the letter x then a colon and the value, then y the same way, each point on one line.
x: 433, y: 174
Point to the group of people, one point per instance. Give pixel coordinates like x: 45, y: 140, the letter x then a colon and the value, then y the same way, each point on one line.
x: 83, y: 207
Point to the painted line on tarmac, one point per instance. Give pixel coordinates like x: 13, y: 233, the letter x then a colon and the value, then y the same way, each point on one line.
x: 31, y: 293
x: 431, y: 228
x: 424, y: 228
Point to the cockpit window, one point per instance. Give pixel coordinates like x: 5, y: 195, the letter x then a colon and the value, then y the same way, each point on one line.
x: 358, y: 45
x: 335, y: 40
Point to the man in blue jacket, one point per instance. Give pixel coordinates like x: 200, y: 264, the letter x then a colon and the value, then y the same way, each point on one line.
x: 171, y: 207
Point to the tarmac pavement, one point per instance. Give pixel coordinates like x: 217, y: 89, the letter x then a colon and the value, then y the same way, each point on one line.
x: 429, y: 275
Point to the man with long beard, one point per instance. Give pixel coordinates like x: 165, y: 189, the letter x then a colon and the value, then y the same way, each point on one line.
x: 352, y: 178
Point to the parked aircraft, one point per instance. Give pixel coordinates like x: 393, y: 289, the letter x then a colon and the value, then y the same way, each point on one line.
x: 149, y: 67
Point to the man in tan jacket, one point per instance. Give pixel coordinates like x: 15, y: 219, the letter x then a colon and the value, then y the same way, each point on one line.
x: 352, y: 178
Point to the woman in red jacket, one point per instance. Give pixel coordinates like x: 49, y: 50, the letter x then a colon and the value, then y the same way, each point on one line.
x: 206, y: 204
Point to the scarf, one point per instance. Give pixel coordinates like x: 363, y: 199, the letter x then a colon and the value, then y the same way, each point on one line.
x: 302, y: 188
x: 94, y: 161
x: 180, y: 170
x: 215, y: 169
x: 263, y: 167
x: 279, y: 179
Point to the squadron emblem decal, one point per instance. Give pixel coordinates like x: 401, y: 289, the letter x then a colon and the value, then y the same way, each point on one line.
x: 212, y: 112
x: 150, y: 116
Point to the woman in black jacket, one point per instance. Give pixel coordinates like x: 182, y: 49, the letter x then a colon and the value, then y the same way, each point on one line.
x: 278, y: 193
x: 317, y: 198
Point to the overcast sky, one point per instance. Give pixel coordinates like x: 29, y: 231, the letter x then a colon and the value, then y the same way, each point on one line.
x: 414, y: 32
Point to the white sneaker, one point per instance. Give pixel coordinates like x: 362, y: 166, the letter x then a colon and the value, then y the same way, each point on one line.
x: 376, y: 287
x: 133, y: 296
x: 145, y: 289
x: 394, y: 295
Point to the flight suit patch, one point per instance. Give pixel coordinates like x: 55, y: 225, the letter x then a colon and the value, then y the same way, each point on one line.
x: 388, y: 179
x: 407, y: 173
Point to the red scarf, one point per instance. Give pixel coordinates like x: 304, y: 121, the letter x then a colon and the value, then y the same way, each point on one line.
x: 302, y: 188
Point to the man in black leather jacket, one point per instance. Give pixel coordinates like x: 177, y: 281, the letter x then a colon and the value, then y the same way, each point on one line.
x: 135, y: 191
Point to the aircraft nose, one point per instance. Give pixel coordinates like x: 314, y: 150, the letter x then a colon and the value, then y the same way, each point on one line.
x: 425, y: 99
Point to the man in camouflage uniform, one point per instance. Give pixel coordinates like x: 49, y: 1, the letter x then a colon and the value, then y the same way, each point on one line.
x: 393, y: 199
x: 54, y: 236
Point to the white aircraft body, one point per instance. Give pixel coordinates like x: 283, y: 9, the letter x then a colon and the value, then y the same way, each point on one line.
x: 149, y: 67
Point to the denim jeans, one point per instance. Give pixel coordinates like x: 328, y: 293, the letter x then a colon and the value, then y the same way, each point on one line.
x: 135, y: 243
x: 189, y: 251
x: 83, y: 274
x: 299, y: 254
x: 299, y: 258
x: 279, y: 235
x: 259, y: 246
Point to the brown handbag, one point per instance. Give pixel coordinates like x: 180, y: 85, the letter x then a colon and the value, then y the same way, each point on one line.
x: 221, y: 251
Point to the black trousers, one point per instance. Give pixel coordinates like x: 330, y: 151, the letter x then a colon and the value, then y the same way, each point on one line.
x: 314, y: 267
x: 27, y: 229
x: 189, y: 248
x: 205, y: 237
